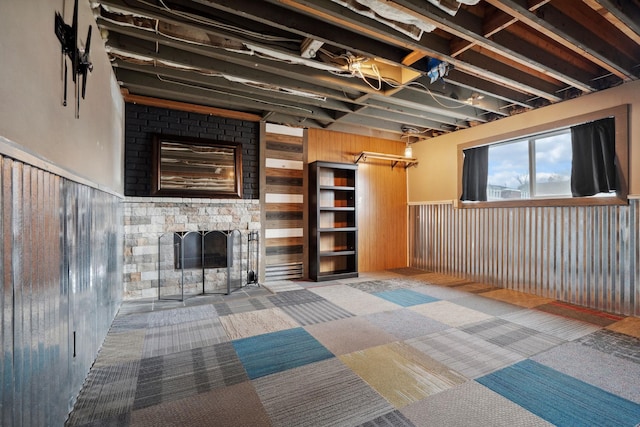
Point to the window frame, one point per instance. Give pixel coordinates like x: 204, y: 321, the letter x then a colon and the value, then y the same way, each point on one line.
x: 621, y: 114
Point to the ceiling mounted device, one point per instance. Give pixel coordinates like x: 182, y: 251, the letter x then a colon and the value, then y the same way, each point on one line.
x: 80, y: 63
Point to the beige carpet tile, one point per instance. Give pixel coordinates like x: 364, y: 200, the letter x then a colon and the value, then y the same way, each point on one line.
x: 476, y: 288
x: 450, y: 313
x: 325, y: 393
x: 443, y: 279
x: 400, y: 373
x: 234, y: 406
x: 517, y: 298
x: 348, y: 335
x: 470, y: 405
x: 248, y: 324
x: 354, y: 300
x: 558, y: 326
x: 121, y: 347
x: 628, y: 326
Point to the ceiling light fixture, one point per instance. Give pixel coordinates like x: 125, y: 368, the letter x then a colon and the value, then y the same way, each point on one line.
x: 408, y: 151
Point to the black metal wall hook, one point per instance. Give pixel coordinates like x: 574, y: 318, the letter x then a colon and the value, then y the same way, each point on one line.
x: 80, y: 63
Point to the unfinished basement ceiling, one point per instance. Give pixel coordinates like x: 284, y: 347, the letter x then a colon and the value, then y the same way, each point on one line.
x: 398, y: 67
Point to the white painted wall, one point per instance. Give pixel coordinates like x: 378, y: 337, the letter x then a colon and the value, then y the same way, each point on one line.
x: 32, y: 117
x: 435, y: 179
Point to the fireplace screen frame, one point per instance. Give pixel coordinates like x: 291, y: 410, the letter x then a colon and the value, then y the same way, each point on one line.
x: 179, y: 278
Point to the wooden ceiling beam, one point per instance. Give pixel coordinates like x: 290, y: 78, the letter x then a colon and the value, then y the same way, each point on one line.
x: 183, y: 106
x: 338, y: 14
x: 625, y: 16
x: 555, y: 28
x: 599, y: 27
x: 492, y: 25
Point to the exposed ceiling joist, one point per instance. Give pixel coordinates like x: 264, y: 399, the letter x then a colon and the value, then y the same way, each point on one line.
x: 319, y: 63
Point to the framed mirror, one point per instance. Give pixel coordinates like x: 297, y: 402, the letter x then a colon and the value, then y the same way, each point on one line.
x: 196, y: 167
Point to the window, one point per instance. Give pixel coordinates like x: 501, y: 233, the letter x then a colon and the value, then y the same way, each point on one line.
x: 547, y: 157
x: 560, y: 163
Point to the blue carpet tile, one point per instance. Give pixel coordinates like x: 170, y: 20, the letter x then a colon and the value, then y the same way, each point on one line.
x: 267, y: 354
x: 559, y: 398
x: 405, y: 297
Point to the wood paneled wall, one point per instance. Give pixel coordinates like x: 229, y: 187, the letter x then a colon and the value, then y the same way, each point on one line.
x: 282, y: 151
x: 381, y: 195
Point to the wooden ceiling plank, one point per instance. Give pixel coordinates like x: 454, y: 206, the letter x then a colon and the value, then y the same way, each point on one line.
x: 544, y: 45
x: 495, y: 23
x: 555, y: 32
x: 469, y: 27
x: 623, y: 15
x: 600, y: 27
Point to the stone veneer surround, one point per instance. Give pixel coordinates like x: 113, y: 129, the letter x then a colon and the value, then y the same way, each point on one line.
x: 147, y: 218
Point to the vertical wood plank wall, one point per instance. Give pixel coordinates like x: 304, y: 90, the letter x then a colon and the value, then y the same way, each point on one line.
x: 381, y: 196
x: 282, y: 181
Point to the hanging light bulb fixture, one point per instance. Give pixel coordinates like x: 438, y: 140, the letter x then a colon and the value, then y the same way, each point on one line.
x: 408, y: 151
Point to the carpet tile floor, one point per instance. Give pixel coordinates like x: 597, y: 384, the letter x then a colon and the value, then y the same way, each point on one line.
x: 402, y: 348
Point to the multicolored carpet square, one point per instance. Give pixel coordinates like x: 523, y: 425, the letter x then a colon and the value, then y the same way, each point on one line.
x: 403, y: 349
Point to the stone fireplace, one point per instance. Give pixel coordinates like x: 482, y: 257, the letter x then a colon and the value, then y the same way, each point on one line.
x: 148, y: 218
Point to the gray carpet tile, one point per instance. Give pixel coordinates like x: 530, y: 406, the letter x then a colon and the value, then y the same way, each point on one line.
x: 181, y: 315
x: 487, y: 305
x: 325, y: 393
x: 392, y: 419
x: 405, y: 324
x: 614, y: 343
x: 441, y: 292
x: 315, y: 312
x: 239, y: 305
x: 373, y: 286
x: 301, y: 296
x: 470, y: 405
x: 129, y: 322
x: 179, y: 375
x: 108, y: 392
x: 184, y: 336
x: 621, y: 376
x: 523, y: 340
x: 172, y: 362
x: 561, y: 327
x: 469, y: 355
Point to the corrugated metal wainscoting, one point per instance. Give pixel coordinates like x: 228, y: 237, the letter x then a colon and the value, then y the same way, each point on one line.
x: 583, y: 255
x: 61, y: 275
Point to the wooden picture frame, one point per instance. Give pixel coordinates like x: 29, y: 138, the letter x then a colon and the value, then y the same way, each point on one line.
x: 196, y: 167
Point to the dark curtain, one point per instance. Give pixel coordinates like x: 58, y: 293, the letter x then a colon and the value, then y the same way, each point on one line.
x: 593, y: 167
x: 475, y: 171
